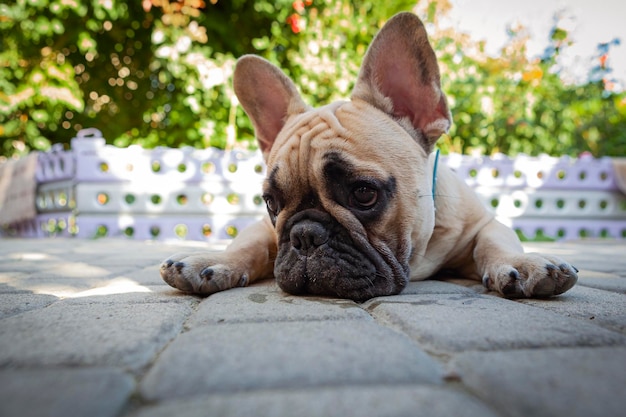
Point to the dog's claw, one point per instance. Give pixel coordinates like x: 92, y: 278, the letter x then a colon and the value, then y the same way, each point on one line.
x: 511, y: 288
x: 486, y: 281
x: 514, y: 274
x: 207, y: 273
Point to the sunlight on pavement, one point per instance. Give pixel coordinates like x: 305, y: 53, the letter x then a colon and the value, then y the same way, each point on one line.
x: 29, y: 256
x: 116, y: 286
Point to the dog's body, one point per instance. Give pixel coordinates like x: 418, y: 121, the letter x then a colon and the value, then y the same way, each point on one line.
x: 349, y: 190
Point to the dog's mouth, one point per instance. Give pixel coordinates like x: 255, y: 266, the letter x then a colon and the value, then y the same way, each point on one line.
x: 318, y: 256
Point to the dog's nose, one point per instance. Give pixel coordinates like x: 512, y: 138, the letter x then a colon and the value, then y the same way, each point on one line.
x: 308, y: 234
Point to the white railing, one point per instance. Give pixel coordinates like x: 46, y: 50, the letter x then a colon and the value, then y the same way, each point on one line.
x: 95, y: 189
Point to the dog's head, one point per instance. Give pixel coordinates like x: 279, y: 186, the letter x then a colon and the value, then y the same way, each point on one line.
x: 349, y: 184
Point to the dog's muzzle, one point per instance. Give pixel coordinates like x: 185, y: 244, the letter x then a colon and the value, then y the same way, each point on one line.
x: 317, y: 255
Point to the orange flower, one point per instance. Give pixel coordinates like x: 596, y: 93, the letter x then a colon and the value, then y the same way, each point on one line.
x: 298, y: 6
x: 534, y: 73
x: 603, y: 59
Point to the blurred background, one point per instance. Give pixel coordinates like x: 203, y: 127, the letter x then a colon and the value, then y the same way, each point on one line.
x: 543, y: 77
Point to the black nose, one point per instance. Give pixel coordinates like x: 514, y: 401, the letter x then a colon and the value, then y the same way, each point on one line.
x: 307, y: 235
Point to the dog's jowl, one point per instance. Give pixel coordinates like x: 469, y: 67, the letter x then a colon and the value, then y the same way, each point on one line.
x: 352, y: 211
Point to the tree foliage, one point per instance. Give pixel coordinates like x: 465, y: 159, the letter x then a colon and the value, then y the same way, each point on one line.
x: 515, y: 104
x: 158, y: 72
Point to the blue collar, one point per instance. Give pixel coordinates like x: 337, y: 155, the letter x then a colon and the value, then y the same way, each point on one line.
x: 435, y: 166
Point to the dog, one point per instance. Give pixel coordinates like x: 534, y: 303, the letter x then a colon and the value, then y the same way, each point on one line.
x: 353, y: 208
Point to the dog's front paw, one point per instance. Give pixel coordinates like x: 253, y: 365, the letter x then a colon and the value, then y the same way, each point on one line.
x: 202, y: 273
x: 530, y: 275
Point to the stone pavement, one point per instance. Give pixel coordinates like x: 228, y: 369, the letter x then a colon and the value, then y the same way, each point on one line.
x: 87, y: 328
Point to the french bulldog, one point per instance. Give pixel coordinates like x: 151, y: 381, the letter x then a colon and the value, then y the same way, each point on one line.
x: 352, y: 209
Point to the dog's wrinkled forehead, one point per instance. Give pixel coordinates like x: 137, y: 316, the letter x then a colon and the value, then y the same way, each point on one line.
x: 304, y: 133
x: 316, y: 147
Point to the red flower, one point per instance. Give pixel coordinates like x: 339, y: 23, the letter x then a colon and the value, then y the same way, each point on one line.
x: 296, y: 23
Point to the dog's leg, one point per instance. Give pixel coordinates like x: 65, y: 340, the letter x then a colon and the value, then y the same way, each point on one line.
x: 249, y: 257
x: 505, y: 268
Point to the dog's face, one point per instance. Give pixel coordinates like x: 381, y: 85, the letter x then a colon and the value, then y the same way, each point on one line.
x: 349, y: 185
x: 345, y: 211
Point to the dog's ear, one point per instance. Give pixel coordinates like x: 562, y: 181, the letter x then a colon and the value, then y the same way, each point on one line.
x: 400, y: 76
x: 267, y: 95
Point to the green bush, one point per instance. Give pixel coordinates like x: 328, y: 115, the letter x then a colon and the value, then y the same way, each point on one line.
x: 158, y: 72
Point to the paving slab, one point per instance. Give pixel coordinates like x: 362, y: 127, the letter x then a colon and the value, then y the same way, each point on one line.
x: 149, y: 275
x: 602, y: 281
x: 381, y: 400
x: 15, y: 302
x: 577, y: 382
x: 469, y: 284
x: 445, y: 323
x: 93, y: 392
x: 59, y: 287
x: 265, y: 302
x: 604, y: 308
x: 123, y: 334
x: 289, y: 355
x: 432, y: 286
x: 62, y: 268
x: 124, y: 293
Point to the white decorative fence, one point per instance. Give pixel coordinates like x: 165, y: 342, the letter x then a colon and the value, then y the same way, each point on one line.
x: 560, y: 198
x: 97, y: 190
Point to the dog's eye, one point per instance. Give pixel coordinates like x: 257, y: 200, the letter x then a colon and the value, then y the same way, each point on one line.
x: 364, y: 197
x: 272, y: 207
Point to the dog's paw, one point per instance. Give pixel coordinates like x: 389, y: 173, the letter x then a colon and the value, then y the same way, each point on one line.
x: 530, y: 275
x: 202, y: 273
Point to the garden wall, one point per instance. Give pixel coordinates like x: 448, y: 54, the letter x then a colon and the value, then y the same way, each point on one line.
x: 95, y: 190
